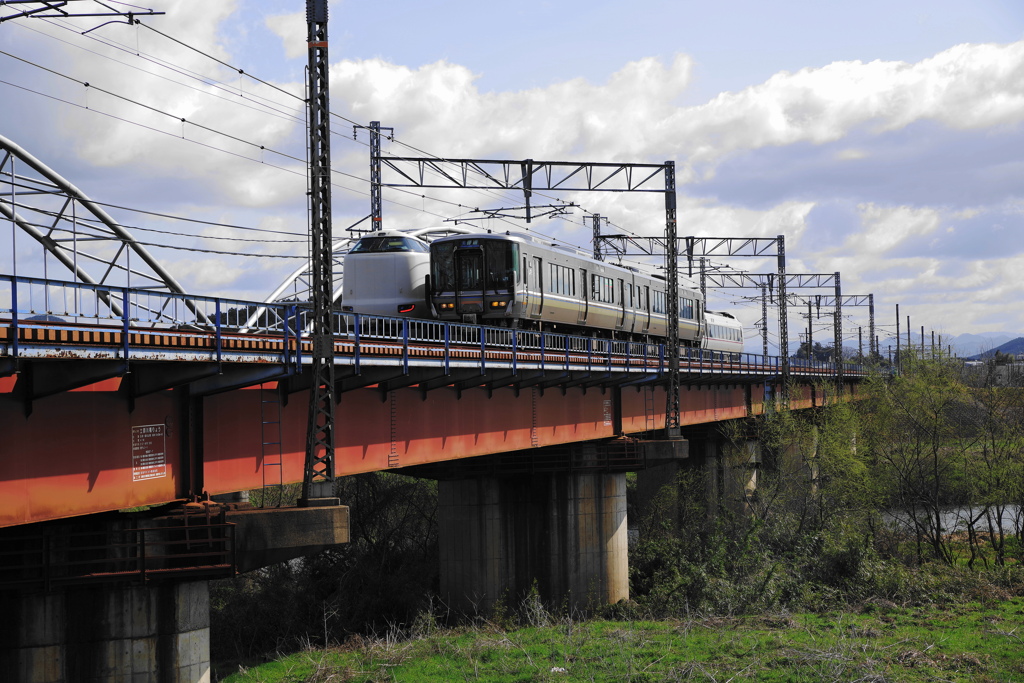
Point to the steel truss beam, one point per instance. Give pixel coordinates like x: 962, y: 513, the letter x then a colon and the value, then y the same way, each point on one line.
x: 827, y: 301
x: 56, y: 11
x: 527, y: 175
x: 632, y: 245
x: 742, y: 280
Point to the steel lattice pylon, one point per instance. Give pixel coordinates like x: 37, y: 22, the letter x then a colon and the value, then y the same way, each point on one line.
x: 80, y: 240
x: 318, y: 482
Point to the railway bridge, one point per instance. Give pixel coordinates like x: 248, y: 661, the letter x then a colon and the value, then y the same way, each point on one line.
x: 132, y: 412
x: 156, y: 403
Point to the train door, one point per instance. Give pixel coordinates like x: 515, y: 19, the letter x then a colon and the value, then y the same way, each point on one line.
x: 584, y: 297
x: 535, y: 287
x: 469, y: 280
x: 622, y: 305
x: 645, y: 310
x: 629, y: 303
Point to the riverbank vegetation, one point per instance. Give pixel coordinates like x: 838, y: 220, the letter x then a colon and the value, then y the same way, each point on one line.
x: 881, y: 543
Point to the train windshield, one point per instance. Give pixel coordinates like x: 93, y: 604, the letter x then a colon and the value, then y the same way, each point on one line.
x: 474, y: 264
x: 378, y: 245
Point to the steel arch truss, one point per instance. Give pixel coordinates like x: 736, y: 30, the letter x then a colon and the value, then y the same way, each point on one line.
x: 86, y: 243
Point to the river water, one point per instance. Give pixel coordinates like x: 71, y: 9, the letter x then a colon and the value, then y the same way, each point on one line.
x: 957, y: 518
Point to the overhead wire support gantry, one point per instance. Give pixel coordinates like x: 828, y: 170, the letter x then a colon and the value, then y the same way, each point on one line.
x: 695, y: 249
x: 36, y: 10
x: 529, y: 176
x: 767, y: 283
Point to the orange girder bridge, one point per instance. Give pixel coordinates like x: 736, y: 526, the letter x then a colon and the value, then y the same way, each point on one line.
x: 112, y: 398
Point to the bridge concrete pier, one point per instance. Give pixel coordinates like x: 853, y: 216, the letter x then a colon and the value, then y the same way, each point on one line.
x: 91, y: 634
x: 717, y: 474
x: 125, y: 597
x: 563, y: 532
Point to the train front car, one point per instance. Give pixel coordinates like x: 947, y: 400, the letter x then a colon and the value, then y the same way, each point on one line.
x: 385, y: 274
x: 473, y: 278
x: 723, y: 332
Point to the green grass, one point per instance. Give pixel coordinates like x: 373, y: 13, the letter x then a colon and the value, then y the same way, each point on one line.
x: 880, y: 642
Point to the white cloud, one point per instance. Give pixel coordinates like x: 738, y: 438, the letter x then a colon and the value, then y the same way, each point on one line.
x: 851, y: 154
x: 633, y: 115
x: 888, y: 227
x: 292, y: 30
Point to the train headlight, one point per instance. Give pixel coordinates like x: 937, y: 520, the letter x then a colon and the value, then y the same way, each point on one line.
x: 447, y: 307
x: 499, y: 304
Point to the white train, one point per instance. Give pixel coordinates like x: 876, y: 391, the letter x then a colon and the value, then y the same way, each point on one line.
x: 517, y: 280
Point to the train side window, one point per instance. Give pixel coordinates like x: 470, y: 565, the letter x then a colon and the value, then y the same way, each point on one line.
x: 659, y: 302
x: 686, y: 308
x: 563, y: 280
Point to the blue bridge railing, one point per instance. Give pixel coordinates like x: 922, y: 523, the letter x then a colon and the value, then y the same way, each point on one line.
x: 27, y: 303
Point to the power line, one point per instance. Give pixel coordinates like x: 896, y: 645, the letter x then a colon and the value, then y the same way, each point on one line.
x: 267, y: 105
x: 214, y: 83
x: 285, y: 92
x: 242, y: 72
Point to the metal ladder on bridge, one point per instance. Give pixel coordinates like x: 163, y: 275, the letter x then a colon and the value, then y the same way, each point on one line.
x: 271, y: 450
x: 648, y: 410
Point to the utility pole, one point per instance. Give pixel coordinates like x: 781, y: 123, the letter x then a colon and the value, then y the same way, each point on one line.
x: 376, y: 207
x: 783, y: 319
x: 764, y: 321
x: 598, y: 256
x: 673, y: 427
x: 872, y: 338
x: 899, y: 363
x: 810, y: 331
x: 837, y: 332
x: 318, y: 479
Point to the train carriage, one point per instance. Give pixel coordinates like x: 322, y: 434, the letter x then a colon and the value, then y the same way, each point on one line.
x: 518, y: 280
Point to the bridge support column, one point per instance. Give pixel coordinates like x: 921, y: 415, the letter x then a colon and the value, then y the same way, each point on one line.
x: 799, y: 460
x: 153, y: 633
x: 719, y: 475
x: 740, y: 463
x: 566, y: 532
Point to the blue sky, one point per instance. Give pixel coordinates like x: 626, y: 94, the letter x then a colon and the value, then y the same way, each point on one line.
x: 880, y: 138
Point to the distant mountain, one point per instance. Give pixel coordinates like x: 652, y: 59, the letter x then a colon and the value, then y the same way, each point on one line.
x: 963, y: 345
x: 1014, y: 346
x: 974, y: 344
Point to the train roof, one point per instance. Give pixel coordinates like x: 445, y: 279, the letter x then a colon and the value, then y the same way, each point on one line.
x: 522, y: 237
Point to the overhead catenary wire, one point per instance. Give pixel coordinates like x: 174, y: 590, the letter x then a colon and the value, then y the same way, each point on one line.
x: 207, y: 80
x: 213, y: 82
x: 265, y: 105
x: 241, y: 71
x: 183, y: 120
x: 207, y: 145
